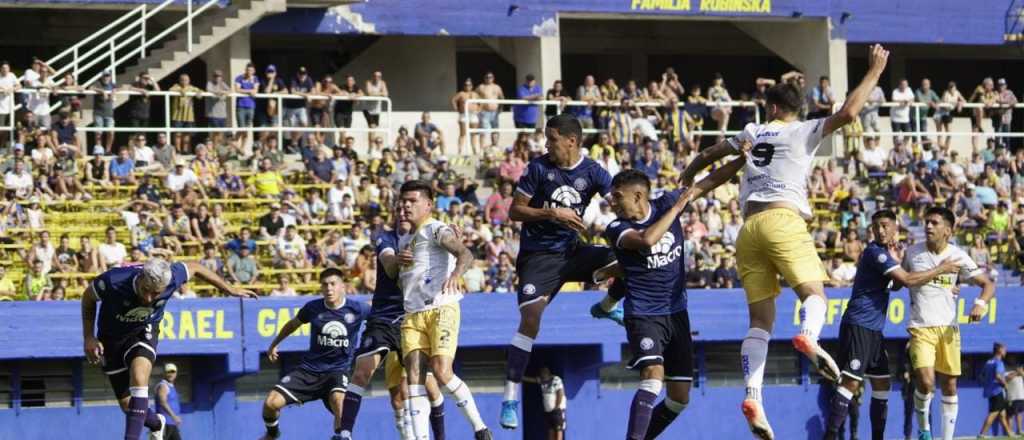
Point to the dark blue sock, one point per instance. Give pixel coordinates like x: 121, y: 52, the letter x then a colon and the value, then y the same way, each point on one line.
x: 879, y: 413
x: 518, y: 359
x: 349, y: 411
x: 640, y: 414
x: 617, y: 290
x: 854, y: 416
x: 660, y: 419
x: 135, y: 418
x: 152, y: 421
x: 437, y: 421
x: 838, y: 411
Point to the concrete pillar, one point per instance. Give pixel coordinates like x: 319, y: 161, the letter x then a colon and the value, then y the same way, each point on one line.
x: 540, y: 56
x: 230, y: 56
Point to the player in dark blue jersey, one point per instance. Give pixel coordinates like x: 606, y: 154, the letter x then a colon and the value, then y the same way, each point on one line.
x: 132, y: 301
x: 381, y: 339
x: 861, y: 345
x: 648, y: 242
x: 334, y: 323
x: 550, y: 199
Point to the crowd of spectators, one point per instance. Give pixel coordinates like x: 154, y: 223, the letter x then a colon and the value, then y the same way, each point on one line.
x: 261, y: 213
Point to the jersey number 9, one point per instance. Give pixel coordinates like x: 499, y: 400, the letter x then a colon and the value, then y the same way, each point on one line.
x: 762, y: 154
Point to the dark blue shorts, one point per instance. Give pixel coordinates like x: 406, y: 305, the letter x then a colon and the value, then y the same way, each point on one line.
x: 542, y: 274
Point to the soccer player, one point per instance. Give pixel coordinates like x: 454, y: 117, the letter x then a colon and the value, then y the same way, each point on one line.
x: 552, y: 396
x: 132, y: 301
x: 861, y: 344
x: 381, y: 340
x: 648, y: 242
x: 334, y: 323
x: 550, y: 200
x: 934, y: 331
x: 774, y: 239
x: 431, y: 263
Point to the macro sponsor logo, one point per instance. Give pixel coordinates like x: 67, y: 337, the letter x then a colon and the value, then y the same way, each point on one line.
x: 334, y: 335
x: 138, y: 314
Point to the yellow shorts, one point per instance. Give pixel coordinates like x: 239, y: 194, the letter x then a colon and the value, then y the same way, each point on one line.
x: 394, y: 374
x: 936, y: 347
x: 771, y: 243
x: 434, y: 331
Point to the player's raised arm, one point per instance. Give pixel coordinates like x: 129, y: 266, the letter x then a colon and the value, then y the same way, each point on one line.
x: 450, y: 241
x: 988, y: 290
x: 218, y: 282
x: 93, y: 348
x: 286, y: 330
x: 707, y: 157
x: 917, y: 279
x: 521, y: 211
x: 859, y: 96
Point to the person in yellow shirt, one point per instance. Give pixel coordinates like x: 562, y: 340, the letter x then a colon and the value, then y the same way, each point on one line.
x: 268, y: 182
x: 183, y: 112
x: 7, y: 289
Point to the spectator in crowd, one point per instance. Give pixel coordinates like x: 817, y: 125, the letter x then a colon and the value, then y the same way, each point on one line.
x: 952, y: 101
x: 272, y: 224
x: 268, y: 182
x: 143, y: 155
x: 103, y: 110
x: 229, y: 184
x: 122, y: 168
x: 65, y: 257
x: 375, y: 86
x: 64, y: 132
x: 589, y: 93
x: 718, y: 94
x: 525, y: 116
x: 38, y: 102
x: 986, y: 95
x: 204, y: 229
x: 903, y: 97
x: 268, y: 113
x: 211, y: 260
x: 820, y: 99
x: 283, y: 287
x: 429, y: 136
x: 512, y: 167
x: 138, y: 103
x: 930, y: 100
x: 183, y: 112
x: 290, y: 251
x: 245, y: 107
x: 97, y: 172
x: 19, y: 180
x: 242, y: 268
x: 295, y: 113
x: 469, y: 116
x: 488, y: 89
x: 498, y: 204
x: 38, y: 283
x: 1002, y: 115
x: 88, y: 256
x: 993, y: 381
x: 8, y: 86
x: 869, y: 116
x: 343, y: 108
x: 556, y: 93
x: 217, y: 105
x: 111, y: 252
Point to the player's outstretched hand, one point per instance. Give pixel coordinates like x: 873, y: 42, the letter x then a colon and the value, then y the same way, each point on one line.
x: 272, y: 353
x: 977, y: 312
x: 93, y: 350
x: 569, y: 218
x: 878, y: 57
x: 451, y: 286
x: 242, y: 293
x: 950, y: 265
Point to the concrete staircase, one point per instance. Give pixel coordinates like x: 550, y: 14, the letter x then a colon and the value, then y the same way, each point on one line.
x: 208, y: 30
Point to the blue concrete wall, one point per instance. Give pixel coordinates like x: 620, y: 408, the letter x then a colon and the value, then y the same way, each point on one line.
x: 227, y: 336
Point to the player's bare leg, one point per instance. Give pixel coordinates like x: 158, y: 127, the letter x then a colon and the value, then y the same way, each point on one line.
x: 272, y: 412
x: 136, y: 405
x: 441, y: 366
x: 337, y: 403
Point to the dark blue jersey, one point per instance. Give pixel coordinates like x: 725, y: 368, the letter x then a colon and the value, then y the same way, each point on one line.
x: 655, y: 278
x: 549, y: 186
x: 332, y: 334
x: 869, y: 301
x: 387, y: 296
x: 121, y: 311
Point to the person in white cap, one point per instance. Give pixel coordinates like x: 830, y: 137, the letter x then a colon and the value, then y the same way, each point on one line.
x: 132, y: 301
x: 167, y: 403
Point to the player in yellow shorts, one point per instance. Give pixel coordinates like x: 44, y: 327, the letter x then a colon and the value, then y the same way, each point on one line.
x: 774, y: 239
x: 432, y: 260
x: 933, y: 327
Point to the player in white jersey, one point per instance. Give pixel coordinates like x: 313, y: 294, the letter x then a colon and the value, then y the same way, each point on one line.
x: 774, y: 239
x: 933, y: 326
x: 552, y: 396
x: 431, y: 263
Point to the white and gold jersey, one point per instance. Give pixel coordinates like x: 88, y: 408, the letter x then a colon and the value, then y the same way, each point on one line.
x: 934, y: 304
x: 423, y: 280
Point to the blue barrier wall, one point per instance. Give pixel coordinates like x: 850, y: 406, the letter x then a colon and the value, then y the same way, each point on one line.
x: 226, y: 337
x: 863, y: 21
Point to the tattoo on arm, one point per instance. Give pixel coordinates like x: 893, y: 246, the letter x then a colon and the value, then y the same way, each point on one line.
x: 452, y: 243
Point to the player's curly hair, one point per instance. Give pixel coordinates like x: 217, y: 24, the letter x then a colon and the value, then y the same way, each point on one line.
x: 566, y: 125
x: 422, y: 186
x: 787, y: 97
x: 943, y: 212
x: 631, y: 177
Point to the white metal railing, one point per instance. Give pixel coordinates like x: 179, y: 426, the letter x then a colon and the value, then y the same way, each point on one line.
x: 384, y: 127
x: 562, y: 105
x: 129, y: 29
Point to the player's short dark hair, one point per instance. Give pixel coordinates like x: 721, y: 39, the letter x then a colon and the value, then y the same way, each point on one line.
x: 787, y: 97
x: 996, y: 346
x: 566, y: 125
x: 330, y: 272
x: 418, y: 185
x: 943, y: 212
x: 631, y: 177
x: 883, y: 213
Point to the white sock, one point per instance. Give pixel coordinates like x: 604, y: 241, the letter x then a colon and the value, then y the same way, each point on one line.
x: 402, y: 424
x: 812, y: 316
x: 438, y: 402
x: 753, y: 353
x: 608, y: 303
x: 922, y: 406
x: 355, y: 389
x: 672, y: 405
x: 418, y: 407
x: 950, y: 408
x: 464, y: 400
x: 510, y: 391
